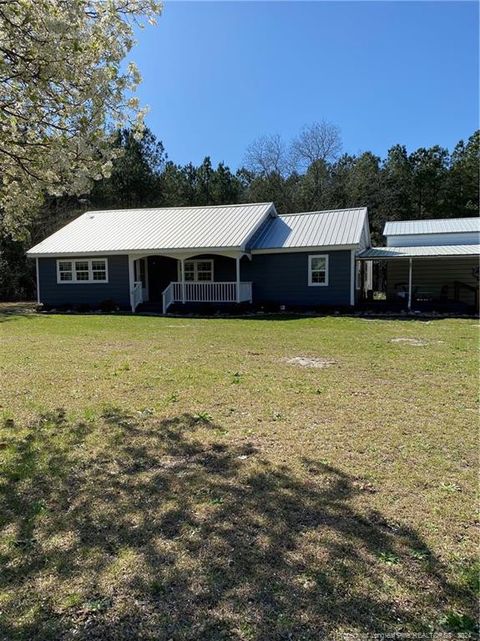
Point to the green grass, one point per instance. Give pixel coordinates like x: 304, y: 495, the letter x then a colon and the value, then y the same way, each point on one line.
x: 177, y: 478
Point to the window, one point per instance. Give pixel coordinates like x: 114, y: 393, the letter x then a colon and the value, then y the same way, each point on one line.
x: 82, y: 271
x: 318, y: 270
x: 99, y: 270
x: 199, y: 270
x: 65, y: 270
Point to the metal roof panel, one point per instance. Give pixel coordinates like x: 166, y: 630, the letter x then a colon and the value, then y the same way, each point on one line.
x: 312, y: 229
x: 435, y: 226
x: 173, y: 228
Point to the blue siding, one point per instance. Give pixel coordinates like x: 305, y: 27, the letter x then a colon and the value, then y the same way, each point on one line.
x: 283, y: 278
x: 277, y: 278
x: 53, y: 294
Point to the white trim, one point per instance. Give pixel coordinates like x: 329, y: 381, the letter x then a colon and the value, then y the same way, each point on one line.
x: 131, y: 280
x: 352, y: 278
x: 147, y: 281
x: 171, y: 252
x: 310, y: 282
x: 38, y: 281
x: 304, y: 249
x: 182, y: 267
x: 230, y: 252
x: 237, y: 266
x: 89, y: 262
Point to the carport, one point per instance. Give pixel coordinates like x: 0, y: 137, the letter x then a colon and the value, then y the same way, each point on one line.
x: 430, y: 275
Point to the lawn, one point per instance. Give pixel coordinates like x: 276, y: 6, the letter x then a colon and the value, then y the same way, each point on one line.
x: 182, y: 478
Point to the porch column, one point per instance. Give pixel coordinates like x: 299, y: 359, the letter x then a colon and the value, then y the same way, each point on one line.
x: 237, y: 261
x: 182, y: 269
x: 131, y: 279
x: 409, y: 284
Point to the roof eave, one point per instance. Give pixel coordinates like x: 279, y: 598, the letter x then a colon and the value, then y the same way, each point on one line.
x: 138, y: 252
x: 302, y: 248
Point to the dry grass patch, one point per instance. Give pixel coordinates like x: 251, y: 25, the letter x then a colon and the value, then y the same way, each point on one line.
x: 310, y: 361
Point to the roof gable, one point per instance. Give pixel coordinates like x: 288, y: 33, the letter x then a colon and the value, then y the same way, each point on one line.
x: 336, y: 227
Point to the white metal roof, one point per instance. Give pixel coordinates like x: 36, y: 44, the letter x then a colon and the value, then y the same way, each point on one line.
x: 437, y: 226
x: 312, y: 229
x: 173, y: 228
x: 412, y: 252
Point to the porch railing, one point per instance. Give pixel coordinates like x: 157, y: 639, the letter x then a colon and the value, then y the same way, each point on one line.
x: 206, y: 292
x: 137, y: 294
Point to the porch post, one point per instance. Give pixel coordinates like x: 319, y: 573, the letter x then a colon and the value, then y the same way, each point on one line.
x: 237, y: 261
x: 409, y: 284
x: 38, y: 281
x: 182, y: 269
x: 131, y: 279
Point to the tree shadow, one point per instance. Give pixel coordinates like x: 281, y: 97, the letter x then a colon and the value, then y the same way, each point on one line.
x: 127, y: 527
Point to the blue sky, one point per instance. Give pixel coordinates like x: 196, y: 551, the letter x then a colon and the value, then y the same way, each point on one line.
x: 218, y: 74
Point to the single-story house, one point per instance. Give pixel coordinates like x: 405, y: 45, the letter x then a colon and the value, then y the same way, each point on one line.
x: 431, y: 262
x: 213, y: 254
x: 229, y: 254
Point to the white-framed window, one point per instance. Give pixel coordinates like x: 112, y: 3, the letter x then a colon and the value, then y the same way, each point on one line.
x: 82, y: 270
x: 198, y: 270
x: 318, y: 270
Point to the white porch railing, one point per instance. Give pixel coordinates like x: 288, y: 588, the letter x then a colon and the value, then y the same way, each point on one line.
x: 137, y: 294
x: 200, y: 292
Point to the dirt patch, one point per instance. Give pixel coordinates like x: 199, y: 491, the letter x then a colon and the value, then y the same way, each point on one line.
x: 417, y: 342
x: 308, y: 361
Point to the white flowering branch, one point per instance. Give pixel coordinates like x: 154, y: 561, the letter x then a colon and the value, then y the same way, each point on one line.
x: 62, y: 93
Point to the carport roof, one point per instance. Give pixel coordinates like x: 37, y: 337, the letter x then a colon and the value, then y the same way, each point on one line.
x: 435, y: 226
x: 388, y: 253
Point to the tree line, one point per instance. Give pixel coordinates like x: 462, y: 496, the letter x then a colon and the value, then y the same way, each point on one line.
x: 306, y: 174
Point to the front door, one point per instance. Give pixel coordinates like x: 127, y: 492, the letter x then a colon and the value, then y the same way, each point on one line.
x: 161, y: 272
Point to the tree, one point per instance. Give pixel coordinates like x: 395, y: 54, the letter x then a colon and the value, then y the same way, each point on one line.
x: 430, y: 171
x: 464, y: 178
x: 62, y: 91
x: 316, y: 146
x: 397, y: 177
x: 267, y: 156
x: 135, y: 180
x: 320, y: 141
x: 364, y: 188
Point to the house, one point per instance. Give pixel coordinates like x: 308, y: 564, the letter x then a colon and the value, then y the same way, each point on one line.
x: 214, y: 254
x: 431, y: 262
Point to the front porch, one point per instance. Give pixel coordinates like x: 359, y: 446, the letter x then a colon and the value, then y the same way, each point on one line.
x: 164, y: 280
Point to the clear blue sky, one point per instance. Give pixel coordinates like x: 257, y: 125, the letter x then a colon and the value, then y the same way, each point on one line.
x: 218, y: 74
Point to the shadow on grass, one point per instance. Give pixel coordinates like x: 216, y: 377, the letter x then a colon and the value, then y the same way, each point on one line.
x: 15, y: 311
x: 131, y: 528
